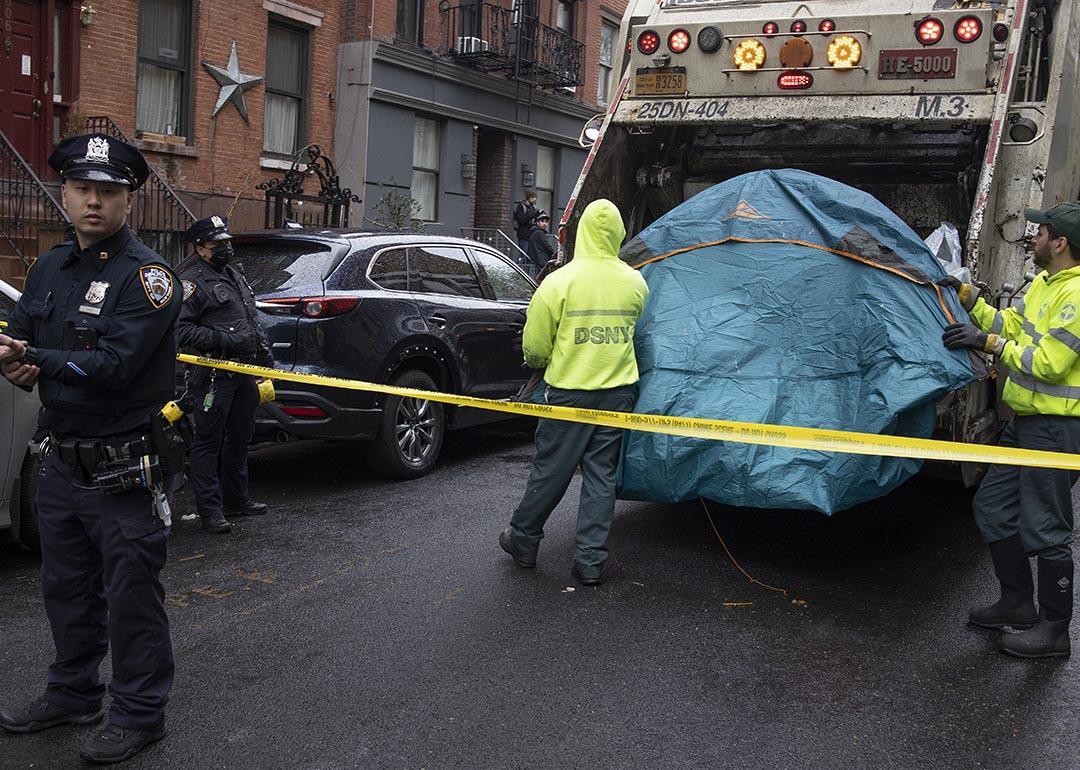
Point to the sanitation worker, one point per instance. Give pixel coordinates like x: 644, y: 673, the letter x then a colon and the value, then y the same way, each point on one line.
x: 580, y: 326
x: 1023, y: 512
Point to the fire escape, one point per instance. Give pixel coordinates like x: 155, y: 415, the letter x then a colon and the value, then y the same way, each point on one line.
x: 513, y: 42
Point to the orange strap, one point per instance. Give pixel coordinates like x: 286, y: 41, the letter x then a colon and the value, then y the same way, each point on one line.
x: 819, y: 247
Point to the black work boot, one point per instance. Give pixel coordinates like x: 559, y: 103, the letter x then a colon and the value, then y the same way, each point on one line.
x: 216, y: 523
x: 113, y: 744
x: 41, y: 715
x: 520, y: 557
x: 1015, y: 607
x: 1050, y: 636
x: 247, y: 508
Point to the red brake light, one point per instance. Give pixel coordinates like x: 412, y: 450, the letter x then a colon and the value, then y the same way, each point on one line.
x: 1001, y: 32
x: 770, y: 28
x: 310, y: 307
x: 678, y: 41
x: 303, y: 411
x: 826, y: 25
x: 929, y: 31
x: 795, y: 80
x: 967, y: 29
x: 798, y: 26
x: 648, y: 42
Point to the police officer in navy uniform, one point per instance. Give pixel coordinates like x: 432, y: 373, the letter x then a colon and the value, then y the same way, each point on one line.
x: 95, y: 331
x: 219, y: 320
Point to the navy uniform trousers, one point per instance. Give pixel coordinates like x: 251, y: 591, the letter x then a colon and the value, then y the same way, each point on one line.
x: 561, y: 448
x: 1035, y: 503
x: 101, y: 557
x: 220, y: 447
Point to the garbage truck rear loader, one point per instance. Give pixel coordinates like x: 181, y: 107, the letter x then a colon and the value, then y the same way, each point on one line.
x: 964, y: 112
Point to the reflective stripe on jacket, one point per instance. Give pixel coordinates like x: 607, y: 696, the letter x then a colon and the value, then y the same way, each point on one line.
x: 580, y: 323
x: 1042, y: 352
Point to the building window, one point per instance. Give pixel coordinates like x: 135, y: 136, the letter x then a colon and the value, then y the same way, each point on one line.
x: 545, y: 178
x: 410, y: 21
x: 564, y: 17
x: 608, y: 33
x: 164, y: 66
x: 284, y: 123
x: 425, y: 174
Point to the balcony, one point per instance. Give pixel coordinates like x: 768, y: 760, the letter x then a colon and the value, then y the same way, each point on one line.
x: 494, y: 39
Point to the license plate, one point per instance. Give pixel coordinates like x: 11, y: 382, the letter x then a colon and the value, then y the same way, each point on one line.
x: 654, y: 82
x: 918, y: 64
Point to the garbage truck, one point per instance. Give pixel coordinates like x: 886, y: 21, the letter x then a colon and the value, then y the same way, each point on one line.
x: 960, y: 111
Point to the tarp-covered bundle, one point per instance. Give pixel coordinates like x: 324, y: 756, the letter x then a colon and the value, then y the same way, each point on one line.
x: 784, y: 297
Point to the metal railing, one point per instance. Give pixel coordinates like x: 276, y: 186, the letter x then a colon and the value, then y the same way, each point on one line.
x: 495, y: 39
x: 31, y: 220
x: 158, y: 216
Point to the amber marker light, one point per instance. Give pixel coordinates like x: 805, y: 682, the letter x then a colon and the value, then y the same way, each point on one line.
x: 749, y: 55
x: 844, y: 52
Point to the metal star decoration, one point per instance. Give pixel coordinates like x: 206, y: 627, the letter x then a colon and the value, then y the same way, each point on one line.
x: 233, y: 83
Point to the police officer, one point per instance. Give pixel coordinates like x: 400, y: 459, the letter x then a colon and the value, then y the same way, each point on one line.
x: 1024, y: 512
x: 95, y: 331
x: 585, y: 369
x: 219, y: 320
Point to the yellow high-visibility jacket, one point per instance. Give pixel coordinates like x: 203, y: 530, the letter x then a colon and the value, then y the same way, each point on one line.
x: 1041, y: 346
x: 580, y: 323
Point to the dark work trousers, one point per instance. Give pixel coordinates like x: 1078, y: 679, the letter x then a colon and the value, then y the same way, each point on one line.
x: 220, y: 447
x: 101, y: 556
x: 563, y: 447
x: 1035, y: 503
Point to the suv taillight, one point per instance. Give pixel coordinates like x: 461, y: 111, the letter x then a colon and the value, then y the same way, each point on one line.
x: 309, y: 307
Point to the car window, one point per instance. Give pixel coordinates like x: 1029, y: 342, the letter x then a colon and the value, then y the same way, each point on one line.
x: 6, y: 306
x: 505, y: 280
x: 389, y: 270
x: 443, y: 270
x: 276, y: 265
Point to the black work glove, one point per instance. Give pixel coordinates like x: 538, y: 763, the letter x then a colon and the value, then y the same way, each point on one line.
x: 950, y: 282
x: 229, y: 342
x: 969, y: 336
x: 969, y: 293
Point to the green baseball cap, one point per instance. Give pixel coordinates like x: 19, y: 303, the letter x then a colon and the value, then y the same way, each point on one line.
x: 1064, y: 217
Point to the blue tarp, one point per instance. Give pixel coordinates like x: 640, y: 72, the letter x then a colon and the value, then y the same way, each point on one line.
x: 785, y: 333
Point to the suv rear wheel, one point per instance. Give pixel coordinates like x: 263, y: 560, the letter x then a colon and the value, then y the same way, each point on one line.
x: 411, y: 434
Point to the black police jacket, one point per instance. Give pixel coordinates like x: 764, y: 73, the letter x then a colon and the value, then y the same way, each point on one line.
x: 218, y: 317
x: 102, y: 320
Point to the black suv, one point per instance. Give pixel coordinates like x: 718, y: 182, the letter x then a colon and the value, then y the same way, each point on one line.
x: 419, y: 311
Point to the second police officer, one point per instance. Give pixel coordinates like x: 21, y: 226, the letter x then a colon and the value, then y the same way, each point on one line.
x: 218, y: 319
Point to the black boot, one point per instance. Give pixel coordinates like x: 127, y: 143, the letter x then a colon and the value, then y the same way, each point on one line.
x: 1015, y: 607
x: 216, y: 523
x: 1050, y: 637
x: 113, y: 744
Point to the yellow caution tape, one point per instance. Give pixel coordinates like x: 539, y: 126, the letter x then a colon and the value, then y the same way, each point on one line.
x: 787, y: 436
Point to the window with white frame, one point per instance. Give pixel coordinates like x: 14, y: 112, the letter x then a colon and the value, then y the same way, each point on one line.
x: 164, y: 66
x: 545, y: 178
x: 284, y: 122
x: 425, y: 174
x: 608, y: 33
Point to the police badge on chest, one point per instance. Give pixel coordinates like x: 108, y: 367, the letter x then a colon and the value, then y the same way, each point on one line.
x: 95, y: 295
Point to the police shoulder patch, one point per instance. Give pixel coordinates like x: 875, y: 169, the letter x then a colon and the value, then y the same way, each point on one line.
x: 189, y: 289
x: 157, y: 282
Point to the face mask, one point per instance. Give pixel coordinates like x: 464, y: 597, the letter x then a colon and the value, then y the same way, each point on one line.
x: 222, y: 254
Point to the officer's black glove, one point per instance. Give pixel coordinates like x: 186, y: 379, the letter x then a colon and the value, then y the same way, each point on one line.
x: 229, y: 342
x: 969, y: 336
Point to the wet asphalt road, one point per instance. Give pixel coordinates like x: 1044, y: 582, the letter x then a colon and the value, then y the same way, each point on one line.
x: 369, y: 624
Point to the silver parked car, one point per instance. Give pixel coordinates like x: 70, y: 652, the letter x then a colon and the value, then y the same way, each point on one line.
x: 18, y: 468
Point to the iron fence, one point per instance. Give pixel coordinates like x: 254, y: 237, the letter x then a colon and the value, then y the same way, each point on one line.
x: 31, y: 219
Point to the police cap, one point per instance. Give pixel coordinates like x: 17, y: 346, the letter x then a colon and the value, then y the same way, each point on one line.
x: 1064, y: 217
x: 213, y: 228
x: 100, y: 158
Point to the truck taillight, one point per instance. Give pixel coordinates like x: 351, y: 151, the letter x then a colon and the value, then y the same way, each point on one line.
x: 1001, y: 32
x: 798, y: 26
x: 771, y: 28
x: 929, y: 31
x: 749, y: 55
x: 794, y: 80
x: 844, y: 52
x: 648, y: 42
x: 678, y: 41
x: 826, y: 25
x: 709, y: 39
x: 968, y: 29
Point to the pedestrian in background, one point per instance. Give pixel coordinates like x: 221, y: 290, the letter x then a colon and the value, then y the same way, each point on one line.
x: 524, y: 213
x: 219, y: 320
x: 1021, y: 511
x: 542, y: 246
x: 580, y: 326
x: 95, y: 330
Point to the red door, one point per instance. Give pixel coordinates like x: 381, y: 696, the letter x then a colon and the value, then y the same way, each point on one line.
x: 22, y: 66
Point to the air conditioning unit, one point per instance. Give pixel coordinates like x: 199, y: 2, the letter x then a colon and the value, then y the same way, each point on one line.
x: 466, y: 45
